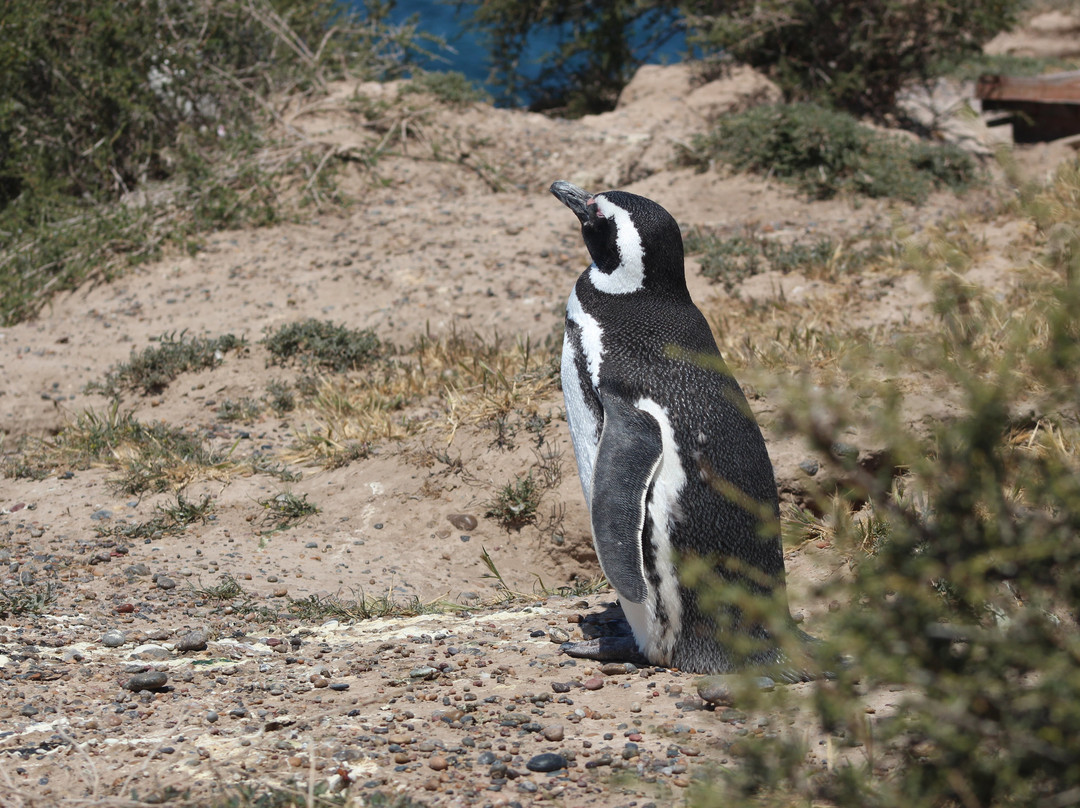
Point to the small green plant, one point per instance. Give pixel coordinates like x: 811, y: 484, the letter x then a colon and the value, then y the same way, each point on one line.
x: 26, y: 600
x: 514, y: 505
x: 323, y: 343
x: 150, y: 457
x: 228, y: 589
x: 168, y: 519
x: 280, y: 397
x: 287, y: 509
x: 151, y: 370
x: 825, y: 153
x: 450, y: 87
x: 246, y: 409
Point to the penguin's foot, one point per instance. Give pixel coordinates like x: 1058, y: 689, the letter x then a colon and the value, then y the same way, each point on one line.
x: 606, y: 649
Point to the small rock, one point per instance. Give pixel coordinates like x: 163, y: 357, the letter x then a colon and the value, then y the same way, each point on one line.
x: 547, y: 762
x: 560, y: 687
x: 28, y: 710
x: 437, y: 763
x: 165, y: 582
x: 151, y: 652
x: 593, y: 683
x: 716, y: 692
x: 113, y: 638
x: 423, y: 672
x: 810, y: 467
x: 212, y: 717
x: 617, y: 668
x: 765, y: 684
x: 553, y: 732
x: 462, y: 521
x: 151, y: 680
x: 192, y: 641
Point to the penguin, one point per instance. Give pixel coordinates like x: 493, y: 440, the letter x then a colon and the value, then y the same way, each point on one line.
x: 673, y: 465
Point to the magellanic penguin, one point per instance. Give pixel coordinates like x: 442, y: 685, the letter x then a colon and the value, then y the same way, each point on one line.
x: 672, y: 463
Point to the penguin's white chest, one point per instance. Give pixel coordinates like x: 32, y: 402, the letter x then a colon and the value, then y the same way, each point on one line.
x: 583, y: 354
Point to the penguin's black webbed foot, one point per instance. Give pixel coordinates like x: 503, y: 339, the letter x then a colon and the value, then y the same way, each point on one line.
x: 606, y: 649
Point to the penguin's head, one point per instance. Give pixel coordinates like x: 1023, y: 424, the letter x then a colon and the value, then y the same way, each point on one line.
x: 635, y: 244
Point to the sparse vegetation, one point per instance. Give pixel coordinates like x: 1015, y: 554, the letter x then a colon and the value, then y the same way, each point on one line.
x: 825, y: 153
x: 150, y: 458
x: 167, y: 520
x: 324, y: 344
x: 188, y: 119
x: 733, y: 259
x: 287, y: 509
x: 450, y: 87
x: 32, y: 599
x: 514, y: 505
x: 151, y: 370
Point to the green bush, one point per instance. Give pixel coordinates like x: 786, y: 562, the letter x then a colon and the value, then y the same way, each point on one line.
x: 321, y: 342
x: 825, y: 153
x: 100, y: 99
x: 854, y: 54
x: 963, y: 545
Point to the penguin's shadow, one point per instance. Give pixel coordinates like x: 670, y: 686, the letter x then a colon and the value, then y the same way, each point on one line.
x: 611, y: 622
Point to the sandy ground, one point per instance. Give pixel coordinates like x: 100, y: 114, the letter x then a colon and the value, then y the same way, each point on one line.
x: 447, y: 708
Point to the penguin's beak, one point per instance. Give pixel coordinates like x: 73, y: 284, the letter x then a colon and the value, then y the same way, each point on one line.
x: 577, y: 199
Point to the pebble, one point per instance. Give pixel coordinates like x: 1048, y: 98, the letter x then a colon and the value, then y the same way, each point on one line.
x: 462, y: 521
x: 437, y: 763
x: 593, y: 683
x: 151, y: 680
x: 151, y: 652
x: 716, y: 692
x: 423, y: 672
x: 810, y: 467
x: 546, y: 762
x: 165, y: 582
x: 212, y: 717
x: 192, y: 641
x: 113, y: 638
x: 553, y: 732
x: 560, y: 687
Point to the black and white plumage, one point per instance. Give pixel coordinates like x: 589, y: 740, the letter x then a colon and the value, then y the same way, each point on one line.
x: 672, y: 462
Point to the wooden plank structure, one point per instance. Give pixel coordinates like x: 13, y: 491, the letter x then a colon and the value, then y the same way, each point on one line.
x: 1043, y: 107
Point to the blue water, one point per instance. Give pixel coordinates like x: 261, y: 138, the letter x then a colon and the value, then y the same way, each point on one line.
x: 467, y: 52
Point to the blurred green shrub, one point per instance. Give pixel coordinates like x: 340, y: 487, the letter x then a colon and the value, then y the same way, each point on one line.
x: 964, y: 546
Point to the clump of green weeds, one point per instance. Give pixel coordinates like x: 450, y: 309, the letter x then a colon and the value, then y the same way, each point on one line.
x: 286, y: 509
x: 322, y: 343
x: 167, y: 520
x: 515, y: 504
x: 825, y: 153
x: 151, y: 370
x: 150, y: 457
x: 26, y: 599
x: 280, y: 397
x: 244, y: 409
x: 733, y: 259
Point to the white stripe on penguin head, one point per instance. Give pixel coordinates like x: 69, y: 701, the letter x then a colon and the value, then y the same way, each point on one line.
x: 629, y: 276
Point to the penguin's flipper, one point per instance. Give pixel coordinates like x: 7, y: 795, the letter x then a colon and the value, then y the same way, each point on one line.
x: 627, y: 457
